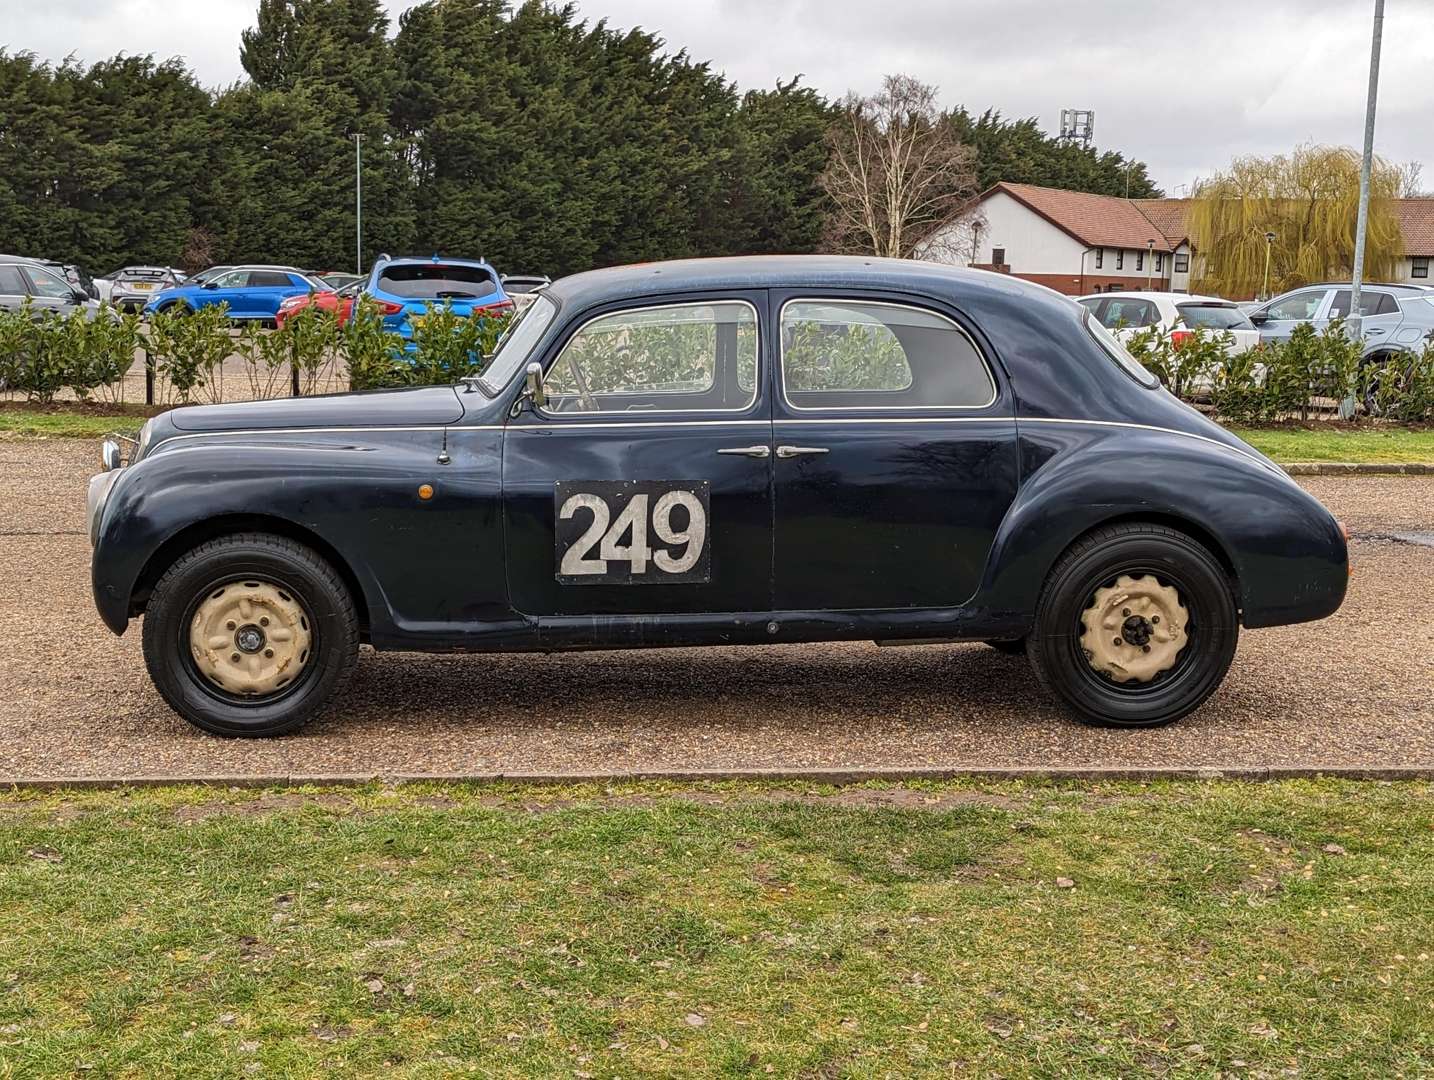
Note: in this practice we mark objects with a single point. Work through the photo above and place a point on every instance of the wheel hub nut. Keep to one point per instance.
(249, 639)
(1132, 628)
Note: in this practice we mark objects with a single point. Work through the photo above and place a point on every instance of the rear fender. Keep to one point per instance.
(1284, 551)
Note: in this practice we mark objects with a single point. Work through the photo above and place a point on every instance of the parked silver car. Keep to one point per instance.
(42, 286)
(1396, 317)
(132, 287)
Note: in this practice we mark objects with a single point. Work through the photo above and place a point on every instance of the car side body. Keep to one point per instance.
(1396, 317)
(444, 509)
(1126, 314)
(251, 292)
(41, 286)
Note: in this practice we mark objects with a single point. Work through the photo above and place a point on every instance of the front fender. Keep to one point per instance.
(1287, 553)
(428, 563)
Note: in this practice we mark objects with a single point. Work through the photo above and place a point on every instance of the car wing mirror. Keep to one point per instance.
(1259, 318)
(533, 391)
(210, 285)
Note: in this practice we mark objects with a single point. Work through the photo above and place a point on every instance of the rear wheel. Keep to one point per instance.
(1136, 626)
(250, 635)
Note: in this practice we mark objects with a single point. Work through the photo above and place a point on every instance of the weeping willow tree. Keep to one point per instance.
(1309, 201)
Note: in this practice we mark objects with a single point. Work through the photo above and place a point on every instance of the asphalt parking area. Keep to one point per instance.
(1356, 690)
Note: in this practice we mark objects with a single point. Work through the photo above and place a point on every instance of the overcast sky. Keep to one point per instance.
(1184, 85)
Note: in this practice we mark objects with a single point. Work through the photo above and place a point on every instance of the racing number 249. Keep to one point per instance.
(676, 517)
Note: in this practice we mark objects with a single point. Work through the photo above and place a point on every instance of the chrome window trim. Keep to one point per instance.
(756, 382)
(782, 367)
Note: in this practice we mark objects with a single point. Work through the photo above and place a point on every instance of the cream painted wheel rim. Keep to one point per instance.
(250, 638)
(1134, 629)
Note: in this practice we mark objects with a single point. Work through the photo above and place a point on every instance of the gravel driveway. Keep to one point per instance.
(1356, 690)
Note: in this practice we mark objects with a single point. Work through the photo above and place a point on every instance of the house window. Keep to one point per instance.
(1120, 259)
(1182, 263)
(1140, 260)
(1420, 268)
(1099, 258)
(998, 256)
(1160, 262)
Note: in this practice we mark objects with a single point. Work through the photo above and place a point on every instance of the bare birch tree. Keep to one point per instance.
(898, 175)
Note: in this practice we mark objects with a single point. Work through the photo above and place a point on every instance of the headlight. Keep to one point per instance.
(100, 487)
(146, 433)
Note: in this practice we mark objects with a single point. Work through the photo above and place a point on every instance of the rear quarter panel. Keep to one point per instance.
(1283, 547)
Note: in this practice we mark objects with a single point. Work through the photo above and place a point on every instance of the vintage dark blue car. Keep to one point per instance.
(730, 451)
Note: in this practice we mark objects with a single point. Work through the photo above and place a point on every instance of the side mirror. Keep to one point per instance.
(210, 285)
(1259, 318)
(533, 385)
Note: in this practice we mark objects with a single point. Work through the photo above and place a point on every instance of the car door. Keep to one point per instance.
(14, 289)
(896, 455)
(1277, 320)
(270, 288)
(49, 291)
(642, 484)
(228, 288)
(1381, 314)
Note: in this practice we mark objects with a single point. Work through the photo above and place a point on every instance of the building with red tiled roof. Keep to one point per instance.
(1078, 243)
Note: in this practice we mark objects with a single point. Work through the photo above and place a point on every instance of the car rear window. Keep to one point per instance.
(1214, 316)
(1112, 347)
(143, 275)
(436, 281)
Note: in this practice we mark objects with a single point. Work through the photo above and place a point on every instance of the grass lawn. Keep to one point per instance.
(1341, 444)
(65, 424)
(727, 930)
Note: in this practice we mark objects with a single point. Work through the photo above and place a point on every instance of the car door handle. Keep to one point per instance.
(799, 451)
(1374, 330)
(759, 451)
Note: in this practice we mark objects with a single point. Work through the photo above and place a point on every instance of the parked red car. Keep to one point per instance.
(340, 302)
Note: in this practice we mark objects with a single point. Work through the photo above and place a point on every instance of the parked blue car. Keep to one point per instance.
(405, 287)
(252, 292)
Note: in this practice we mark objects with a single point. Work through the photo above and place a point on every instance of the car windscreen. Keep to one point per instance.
(1214, 316)
(523, 285)
(1112, 347)
(436, 281)
(517, 343)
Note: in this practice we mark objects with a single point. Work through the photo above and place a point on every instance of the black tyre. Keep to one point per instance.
(1010, 648)
(250, 635)
(1136, 626)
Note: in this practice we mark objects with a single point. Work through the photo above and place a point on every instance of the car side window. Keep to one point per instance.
(680, 357)
(270, 279)
(1121, 312)
(44, 283)
(234, 279)
(843, 354)
(11, 281)
(1301, 306)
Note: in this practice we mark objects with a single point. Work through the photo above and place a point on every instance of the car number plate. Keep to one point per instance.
(632, 532)
(141, 286)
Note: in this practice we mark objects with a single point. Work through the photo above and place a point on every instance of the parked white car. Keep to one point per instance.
(1128, 313)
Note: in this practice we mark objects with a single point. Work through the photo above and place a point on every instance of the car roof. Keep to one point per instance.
(1154, 294)
(790, 271)
(434, 259)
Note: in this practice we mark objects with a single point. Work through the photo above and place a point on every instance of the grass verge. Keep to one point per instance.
(1392, 445)
(945, 929)
(89, 421)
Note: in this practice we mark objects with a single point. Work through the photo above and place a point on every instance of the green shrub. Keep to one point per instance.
(1403, 387)
(105, 352)
(188, 347)
(373, 357)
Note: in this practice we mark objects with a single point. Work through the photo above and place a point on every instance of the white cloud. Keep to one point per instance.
(1183, 86)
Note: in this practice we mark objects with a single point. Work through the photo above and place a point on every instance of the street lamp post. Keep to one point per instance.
(1362, 221)
(1356, 313)
(1265, 290)
(358, 203)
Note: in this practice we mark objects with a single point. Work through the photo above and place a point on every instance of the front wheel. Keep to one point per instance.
(1136, 626)
(250, 635)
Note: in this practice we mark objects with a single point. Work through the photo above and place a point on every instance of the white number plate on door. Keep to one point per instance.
(633, 532)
